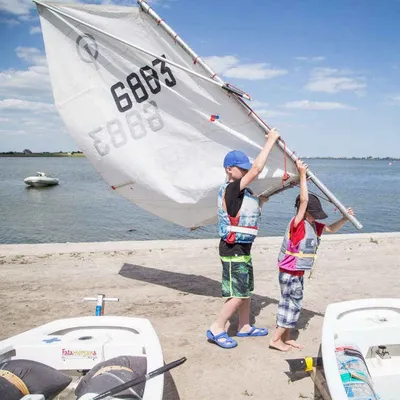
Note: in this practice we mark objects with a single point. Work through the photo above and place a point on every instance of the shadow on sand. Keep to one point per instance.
(170, 389)
(202, 286)
(296, 374)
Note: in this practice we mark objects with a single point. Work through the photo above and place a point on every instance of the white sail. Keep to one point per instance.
(144, 124)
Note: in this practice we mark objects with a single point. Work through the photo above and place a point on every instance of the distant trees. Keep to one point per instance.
(27, 151)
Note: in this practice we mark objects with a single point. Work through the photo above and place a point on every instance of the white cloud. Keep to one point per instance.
(331, 80)
(9, 21)
(31, 55)
(35, 29)
(230, 67)
(393, 100)
(312, 59)
(258, 104)
(316, 105)
(18, 7)
(23, 8)
(18, 104)
(158, 3)
(28, 18)
(26, 103)
(254, 72)
(270, 113)
(221, 64)
(32, 83)
(31, 119)
(262, 109)
(13, 132)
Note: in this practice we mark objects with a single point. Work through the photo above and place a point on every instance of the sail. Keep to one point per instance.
(156, 133)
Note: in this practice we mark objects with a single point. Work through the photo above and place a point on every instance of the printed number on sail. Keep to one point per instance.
(137, 122)
(135, 83)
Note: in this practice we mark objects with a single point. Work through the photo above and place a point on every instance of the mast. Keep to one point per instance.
(265, 128)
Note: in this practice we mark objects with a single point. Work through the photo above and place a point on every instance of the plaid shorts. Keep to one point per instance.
(291, 299)
(237, 277)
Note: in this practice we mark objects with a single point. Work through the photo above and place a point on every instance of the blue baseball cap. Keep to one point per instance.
(237, 158)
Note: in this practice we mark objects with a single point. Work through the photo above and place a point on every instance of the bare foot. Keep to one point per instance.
(279, 345)
(294, 344)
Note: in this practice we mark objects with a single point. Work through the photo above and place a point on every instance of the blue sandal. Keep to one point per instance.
(252, 332)
(228, 343)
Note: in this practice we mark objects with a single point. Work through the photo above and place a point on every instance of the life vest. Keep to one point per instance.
(302, 256)
(243, 227)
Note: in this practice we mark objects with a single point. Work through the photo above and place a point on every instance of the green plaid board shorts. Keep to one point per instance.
(237, 277)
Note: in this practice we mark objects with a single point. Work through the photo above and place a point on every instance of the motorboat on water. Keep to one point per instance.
(41, 180)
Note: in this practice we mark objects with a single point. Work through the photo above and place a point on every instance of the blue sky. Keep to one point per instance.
(326, 74)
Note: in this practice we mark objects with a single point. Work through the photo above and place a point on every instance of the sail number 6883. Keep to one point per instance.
(140, 93)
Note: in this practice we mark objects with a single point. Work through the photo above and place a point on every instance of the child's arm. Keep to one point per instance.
(333, 228)
(260, 161)
(303, 192)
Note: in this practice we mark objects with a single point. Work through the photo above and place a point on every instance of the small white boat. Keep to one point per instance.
(361, 349)
(74, 346)
(41, 180)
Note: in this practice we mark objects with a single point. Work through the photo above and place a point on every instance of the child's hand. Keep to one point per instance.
(262, 200)
(350, 211)
(302, 168)
(273, 134)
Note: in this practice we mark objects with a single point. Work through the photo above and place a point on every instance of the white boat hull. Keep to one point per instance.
(367, 324)
(75, 344)
(40, 181)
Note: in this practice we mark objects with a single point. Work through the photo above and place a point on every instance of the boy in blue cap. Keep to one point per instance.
(238, 217)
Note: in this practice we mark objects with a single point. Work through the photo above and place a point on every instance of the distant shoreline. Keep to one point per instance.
(353, 158)
(44, 154)
(80, 154)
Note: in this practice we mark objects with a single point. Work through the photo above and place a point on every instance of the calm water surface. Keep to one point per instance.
(82, 208)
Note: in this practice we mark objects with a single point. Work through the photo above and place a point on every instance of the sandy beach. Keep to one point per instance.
(176, 285)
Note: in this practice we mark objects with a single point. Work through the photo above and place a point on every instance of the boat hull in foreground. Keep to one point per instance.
(74, 345)
(370, 327)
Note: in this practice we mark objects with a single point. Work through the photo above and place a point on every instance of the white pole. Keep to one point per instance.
(138, 48)
(145, 7)
(100, 302)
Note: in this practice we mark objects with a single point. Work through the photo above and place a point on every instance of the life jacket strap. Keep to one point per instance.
(301, 254)
(242, 229)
